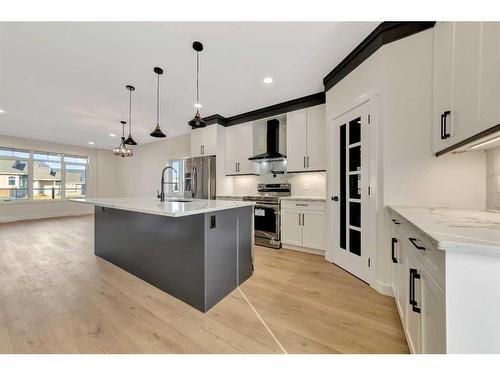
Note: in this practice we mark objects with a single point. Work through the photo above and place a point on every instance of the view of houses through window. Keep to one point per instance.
(29, 174)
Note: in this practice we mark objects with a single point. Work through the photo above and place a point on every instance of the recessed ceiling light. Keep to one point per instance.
(197, 105)
(91, 143)
(112, 135)
(268, 80)
(1, 110)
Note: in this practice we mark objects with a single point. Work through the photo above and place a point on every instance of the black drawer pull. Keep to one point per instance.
(413, 275)
(395, 221)
(394, 242)
(414, 242)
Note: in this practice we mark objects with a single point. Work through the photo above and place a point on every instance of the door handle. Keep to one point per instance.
(395, 221)
(394, 242)
(414, 242)
(335, 198)
(413, 275)
(304, 161)
(299, 221)
(303, 221)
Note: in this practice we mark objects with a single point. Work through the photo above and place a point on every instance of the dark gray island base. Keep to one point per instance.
(197, 258)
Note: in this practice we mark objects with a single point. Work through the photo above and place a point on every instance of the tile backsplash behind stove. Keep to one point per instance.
(311, 184)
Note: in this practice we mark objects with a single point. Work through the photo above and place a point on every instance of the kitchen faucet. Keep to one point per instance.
(161, 194)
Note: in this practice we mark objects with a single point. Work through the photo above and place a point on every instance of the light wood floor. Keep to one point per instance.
(57, 297)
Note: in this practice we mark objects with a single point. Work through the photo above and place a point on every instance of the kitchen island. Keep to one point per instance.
(196, 250)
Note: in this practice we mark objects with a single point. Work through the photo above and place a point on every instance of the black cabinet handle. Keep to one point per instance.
(414, 242)
(335, 198)
(395, 221)
(442, 127)
(413, 275)
(445, 116)
(394, 242)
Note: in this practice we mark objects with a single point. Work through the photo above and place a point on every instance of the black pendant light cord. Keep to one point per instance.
(197, 78)
(130, 114)
(158, 100)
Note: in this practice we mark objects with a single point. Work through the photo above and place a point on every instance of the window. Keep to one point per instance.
(174, 185)
(13, 174)
(76, 175)
(39, 175)
(47, 176)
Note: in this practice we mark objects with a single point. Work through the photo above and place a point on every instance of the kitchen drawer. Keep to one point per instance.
(303, 205)
(431, 258)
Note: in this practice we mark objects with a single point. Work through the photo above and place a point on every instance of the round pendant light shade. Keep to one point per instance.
(130, 141)
(122, 149)
(157, 133)
(197, 121)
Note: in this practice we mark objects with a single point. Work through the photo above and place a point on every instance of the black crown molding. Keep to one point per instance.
(273, 110)
(385, 33)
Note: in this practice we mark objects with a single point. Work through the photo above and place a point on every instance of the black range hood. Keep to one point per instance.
(273, 144)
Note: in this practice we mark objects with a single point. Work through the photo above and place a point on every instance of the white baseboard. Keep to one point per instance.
(383, 288)
(303, 249)
(9, 219)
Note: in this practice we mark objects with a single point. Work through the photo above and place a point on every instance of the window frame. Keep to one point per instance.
(31, 162)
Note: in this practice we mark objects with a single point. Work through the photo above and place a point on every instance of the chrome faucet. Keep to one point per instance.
(161, 194)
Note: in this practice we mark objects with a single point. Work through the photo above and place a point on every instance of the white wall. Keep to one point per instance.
(98, 165)
(139, 176)
(401, 74)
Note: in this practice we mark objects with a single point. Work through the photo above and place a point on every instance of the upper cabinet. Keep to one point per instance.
(239, 147)
(466, 81)
(305, 141)
(204, 141)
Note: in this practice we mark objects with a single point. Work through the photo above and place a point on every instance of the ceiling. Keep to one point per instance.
(65, 82)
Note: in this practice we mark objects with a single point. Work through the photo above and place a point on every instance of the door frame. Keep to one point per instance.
(372, 98)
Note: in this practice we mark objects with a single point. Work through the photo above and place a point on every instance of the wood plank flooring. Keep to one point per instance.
(57, 297)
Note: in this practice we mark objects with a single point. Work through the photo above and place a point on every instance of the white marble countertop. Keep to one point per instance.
(450, 229)
(168, 208)
(303, 198)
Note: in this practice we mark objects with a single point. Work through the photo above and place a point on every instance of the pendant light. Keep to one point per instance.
(122, 150)
(197, 121)
(157, 133)
(130, 141)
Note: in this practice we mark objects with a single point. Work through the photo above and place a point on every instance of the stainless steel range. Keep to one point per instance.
(267, 213)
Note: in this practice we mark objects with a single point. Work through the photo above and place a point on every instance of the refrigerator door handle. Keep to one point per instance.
(194, 182)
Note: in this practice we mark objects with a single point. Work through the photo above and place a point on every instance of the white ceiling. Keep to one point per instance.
(65, 82)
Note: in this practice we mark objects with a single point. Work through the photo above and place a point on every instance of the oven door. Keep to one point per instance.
(267, 222)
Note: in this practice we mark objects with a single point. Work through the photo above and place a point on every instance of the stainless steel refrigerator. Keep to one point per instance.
(199, 177)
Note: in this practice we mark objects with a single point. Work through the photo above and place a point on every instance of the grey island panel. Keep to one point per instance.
(198, 259)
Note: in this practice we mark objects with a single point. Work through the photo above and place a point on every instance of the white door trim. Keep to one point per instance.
(375, 173)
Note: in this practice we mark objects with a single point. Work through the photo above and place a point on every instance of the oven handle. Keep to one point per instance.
(276, 208)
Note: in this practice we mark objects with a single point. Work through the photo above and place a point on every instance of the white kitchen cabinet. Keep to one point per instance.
(239, 147)
(413, 321)
(313, 229)
(204, 141)
(466, 81)
(433, 318)
(303, 225)
(291, 229)
(305, 142)
(489, 78)
(442, 82)
(296, 148)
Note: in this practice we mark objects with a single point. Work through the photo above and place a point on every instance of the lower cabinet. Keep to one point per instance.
(419, 298)
(303, 225)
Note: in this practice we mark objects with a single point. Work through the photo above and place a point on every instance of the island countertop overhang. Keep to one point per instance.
(169, 208)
